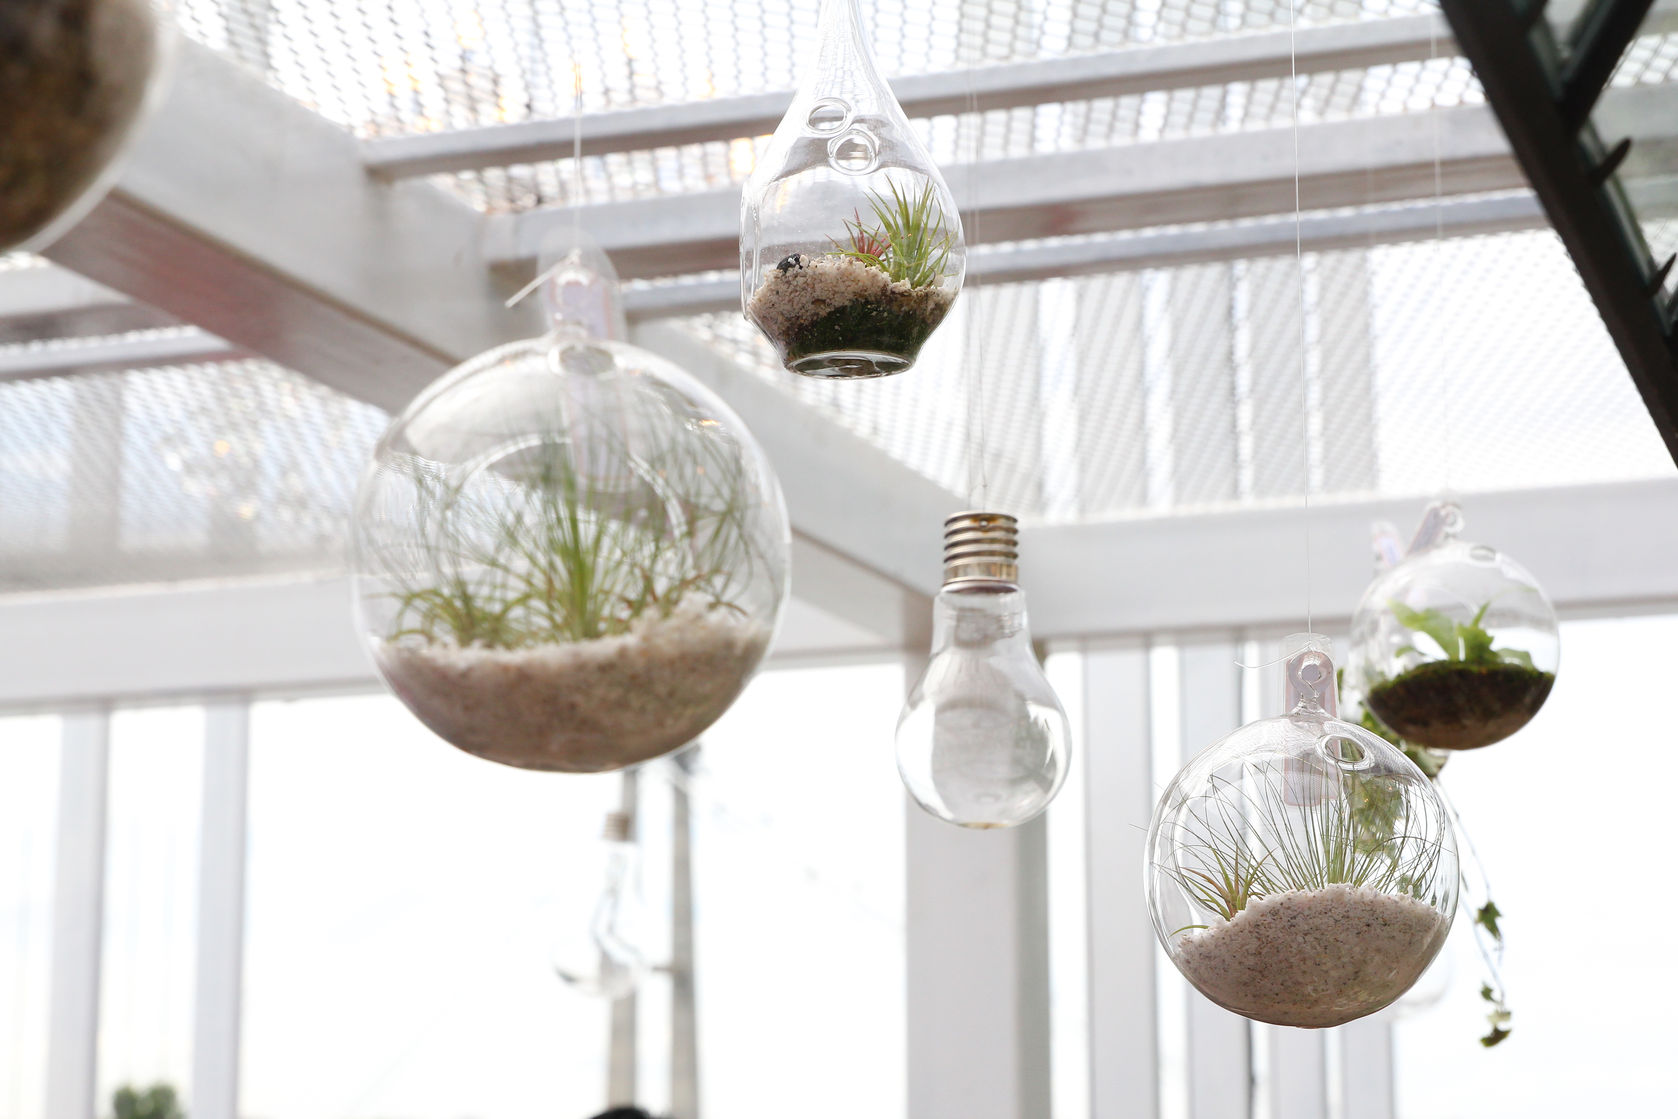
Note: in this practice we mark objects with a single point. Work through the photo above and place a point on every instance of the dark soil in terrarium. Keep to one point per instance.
(1449, 705)
(893, 326)
(73, 75)
(835, 305)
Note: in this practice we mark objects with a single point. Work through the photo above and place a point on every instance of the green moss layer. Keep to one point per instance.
(1449, 705)
(893, 326)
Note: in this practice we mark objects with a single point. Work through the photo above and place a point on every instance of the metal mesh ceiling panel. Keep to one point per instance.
(389, 67)
(175, 473)
(1001, 134)
(1476, 364)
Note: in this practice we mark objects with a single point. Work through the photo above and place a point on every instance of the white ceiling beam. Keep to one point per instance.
(45, 301)
(261, 637)
(38, 290)
(181, 346)
(1006, 264)
(1144, 69)
(1594, 549)
(247, 214)
(1135, 186)
(1597, 549)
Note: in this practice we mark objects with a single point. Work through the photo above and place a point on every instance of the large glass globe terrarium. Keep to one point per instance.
(851, 250)
(76, 77)
(569, 554)
(1301, 871)
(1456, 646)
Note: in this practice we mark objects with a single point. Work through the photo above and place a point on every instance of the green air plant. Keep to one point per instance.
(1460, 642)
(1244, 840)
(558, 545)
(910, 243)
(157, 1102)
(1470, 694)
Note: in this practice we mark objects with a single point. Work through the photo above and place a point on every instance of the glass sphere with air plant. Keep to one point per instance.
(76, 79)
(1301, 871)
(851, 249)
(569, 554)
(1455, 646)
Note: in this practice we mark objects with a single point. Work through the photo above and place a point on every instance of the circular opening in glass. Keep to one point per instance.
(1344, 752)
(855, 152)
(828, 116)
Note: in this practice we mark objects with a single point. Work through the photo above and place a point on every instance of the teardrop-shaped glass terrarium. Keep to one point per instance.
(76, 79)
(1456, 646)
(569, 554)
(1302, 871)
(851, 251)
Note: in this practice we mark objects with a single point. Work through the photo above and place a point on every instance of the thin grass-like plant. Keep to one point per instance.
(911, 243)
(572, 540)
(1291, 827)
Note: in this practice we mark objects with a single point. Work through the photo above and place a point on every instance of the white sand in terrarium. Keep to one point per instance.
(584, 706)
(1314, 957)
(791, 298)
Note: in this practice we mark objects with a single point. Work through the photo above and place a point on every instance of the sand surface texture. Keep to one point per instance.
(1314, 957)
(586, 706)
(792, 298)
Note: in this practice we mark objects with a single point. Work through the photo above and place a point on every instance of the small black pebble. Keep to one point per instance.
(789, 263)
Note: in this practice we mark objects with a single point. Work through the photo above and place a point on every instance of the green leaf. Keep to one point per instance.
(1497, 1034)
(1516, 656)
(1487, 993)
(1486, 917)
(1430, 622)
(1476, 643)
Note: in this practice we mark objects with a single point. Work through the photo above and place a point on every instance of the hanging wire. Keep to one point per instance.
(978, 472)
(576, 202)
(1299, 260)
(1438, 252)
(576, 153)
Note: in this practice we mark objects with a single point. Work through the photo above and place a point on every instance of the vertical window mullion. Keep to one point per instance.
(78, 915)
(221, 910)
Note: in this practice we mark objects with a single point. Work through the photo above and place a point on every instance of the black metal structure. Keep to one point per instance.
(1543, 90)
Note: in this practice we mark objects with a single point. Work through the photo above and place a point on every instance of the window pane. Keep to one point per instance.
(151, 900)
(1573, 835)
(401, 904)
(28, 819)
(798, 863)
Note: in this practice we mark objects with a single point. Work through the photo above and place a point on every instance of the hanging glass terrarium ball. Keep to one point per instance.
(850, 243)
(1302, 871)
(75, 79)
(569, 554)
(1456, 646)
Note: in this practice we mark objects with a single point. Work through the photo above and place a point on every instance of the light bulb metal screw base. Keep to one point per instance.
(619, 828)
(981, 550)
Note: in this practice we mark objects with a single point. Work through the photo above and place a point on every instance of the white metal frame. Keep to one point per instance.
(1111, 74)
(78, 917)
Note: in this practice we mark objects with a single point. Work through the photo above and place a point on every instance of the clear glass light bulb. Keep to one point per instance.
(603, 957)
(983, 741)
